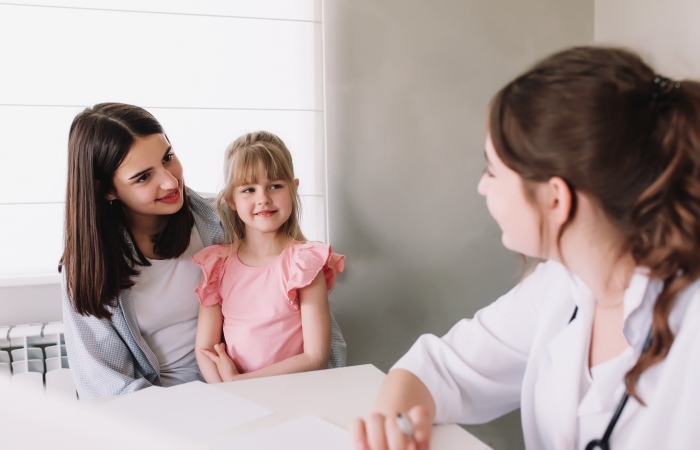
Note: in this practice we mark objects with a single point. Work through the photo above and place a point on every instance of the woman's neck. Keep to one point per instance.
(143, 228)
(592, 247)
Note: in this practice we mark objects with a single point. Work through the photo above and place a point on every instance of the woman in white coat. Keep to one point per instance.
(594, 166)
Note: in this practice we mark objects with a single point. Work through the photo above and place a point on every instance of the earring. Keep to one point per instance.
(110, 202)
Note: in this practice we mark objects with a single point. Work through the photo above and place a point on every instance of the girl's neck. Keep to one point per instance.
(259, 249)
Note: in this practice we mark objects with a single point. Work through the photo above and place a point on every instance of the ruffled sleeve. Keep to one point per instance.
(211, 260)
(308, 259)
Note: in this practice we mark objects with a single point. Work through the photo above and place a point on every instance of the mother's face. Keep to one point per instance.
(148, 182)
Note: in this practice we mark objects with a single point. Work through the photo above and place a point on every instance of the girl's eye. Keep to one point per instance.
(248, 190)
(168, 157)
(276, 186)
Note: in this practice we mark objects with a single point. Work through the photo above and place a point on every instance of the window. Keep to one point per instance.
(208, 70)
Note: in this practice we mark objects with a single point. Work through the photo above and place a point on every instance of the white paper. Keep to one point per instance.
(307, 433)
(192, 410)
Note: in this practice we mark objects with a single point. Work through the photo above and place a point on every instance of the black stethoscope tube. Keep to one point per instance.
(604, 442)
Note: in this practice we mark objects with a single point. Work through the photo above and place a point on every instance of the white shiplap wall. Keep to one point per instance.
(207, 70)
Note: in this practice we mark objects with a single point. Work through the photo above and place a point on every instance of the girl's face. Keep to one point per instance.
(264, 205)
(505, 198)
(149, 180)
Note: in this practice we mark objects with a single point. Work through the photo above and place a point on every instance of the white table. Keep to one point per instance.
(336, 395)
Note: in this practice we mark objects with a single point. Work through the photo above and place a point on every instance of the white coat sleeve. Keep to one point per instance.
(475, 371)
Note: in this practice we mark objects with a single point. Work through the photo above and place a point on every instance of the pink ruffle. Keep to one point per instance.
(211, 260)
(307, 261)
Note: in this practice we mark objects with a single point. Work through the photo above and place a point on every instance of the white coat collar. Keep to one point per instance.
(568, 350)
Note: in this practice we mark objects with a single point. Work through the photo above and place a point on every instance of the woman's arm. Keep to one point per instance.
(101, 363)
(316, 328)
(209, 326)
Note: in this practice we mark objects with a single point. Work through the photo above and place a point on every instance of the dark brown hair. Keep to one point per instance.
(99, 256)
(601, 119)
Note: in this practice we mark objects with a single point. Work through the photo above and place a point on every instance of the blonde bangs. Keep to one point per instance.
(249, 159)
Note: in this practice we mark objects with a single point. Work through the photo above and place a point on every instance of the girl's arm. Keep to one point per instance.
(209, 326)
(316, 328)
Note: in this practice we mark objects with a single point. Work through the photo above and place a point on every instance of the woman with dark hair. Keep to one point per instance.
(594, 167)
(131, 227)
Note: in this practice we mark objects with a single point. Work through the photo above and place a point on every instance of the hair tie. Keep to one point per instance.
(661, 93)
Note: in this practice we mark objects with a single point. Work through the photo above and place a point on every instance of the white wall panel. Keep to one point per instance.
(78, 57)
(308, 10)
(208, 70)
(33, 146)
(313, 214)
(199, 138)
(31, 239)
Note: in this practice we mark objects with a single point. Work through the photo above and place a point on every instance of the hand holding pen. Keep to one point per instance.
(409, 431)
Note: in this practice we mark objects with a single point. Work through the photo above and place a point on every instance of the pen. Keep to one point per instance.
(405, 426)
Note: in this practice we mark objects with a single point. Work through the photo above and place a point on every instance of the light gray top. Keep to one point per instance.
(168, 285)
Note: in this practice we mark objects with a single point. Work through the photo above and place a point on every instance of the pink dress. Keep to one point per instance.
(260, 305)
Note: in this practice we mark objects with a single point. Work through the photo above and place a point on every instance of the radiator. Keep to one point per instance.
(33, 356)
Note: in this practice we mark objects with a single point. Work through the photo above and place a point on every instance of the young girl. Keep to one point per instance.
(266, 285)
(593, 164)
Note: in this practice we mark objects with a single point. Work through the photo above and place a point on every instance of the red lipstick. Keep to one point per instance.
(172, 197)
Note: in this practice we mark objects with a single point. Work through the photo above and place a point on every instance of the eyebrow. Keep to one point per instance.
(136, 175)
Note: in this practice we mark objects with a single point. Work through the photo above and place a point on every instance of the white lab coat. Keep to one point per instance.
(521, 351)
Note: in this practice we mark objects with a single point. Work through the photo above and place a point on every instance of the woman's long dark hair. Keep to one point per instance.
(606, 123)
(99, 256)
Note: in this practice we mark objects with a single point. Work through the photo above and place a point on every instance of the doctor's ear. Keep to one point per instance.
(296, 181)
(560, 199)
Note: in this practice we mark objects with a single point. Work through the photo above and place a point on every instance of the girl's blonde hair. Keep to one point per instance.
(260, 149)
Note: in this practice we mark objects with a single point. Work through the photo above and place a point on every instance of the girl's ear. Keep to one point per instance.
(231, 204)
(559, 201)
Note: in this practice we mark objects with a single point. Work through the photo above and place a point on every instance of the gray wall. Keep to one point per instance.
(407, 85)
(666, 34)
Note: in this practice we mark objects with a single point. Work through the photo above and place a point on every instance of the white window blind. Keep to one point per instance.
(208, 70)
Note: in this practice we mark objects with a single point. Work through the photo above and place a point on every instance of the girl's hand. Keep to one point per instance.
(227, 369)
(380, 432)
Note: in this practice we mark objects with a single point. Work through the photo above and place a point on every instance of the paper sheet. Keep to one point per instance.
(307, 433)
(192, 410)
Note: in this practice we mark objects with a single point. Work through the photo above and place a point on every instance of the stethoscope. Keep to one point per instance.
(604, 442)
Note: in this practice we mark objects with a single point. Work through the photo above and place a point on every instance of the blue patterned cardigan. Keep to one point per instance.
(110, 357)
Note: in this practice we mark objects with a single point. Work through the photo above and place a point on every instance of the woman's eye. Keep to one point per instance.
(488, 173)
(143, 177)
(168, 157)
